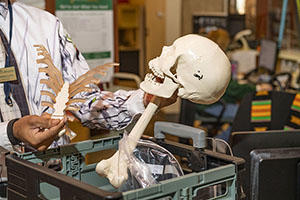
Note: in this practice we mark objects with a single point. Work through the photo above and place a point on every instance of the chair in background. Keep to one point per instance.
(275, 168)
(214, 116)
(243, 143)
(132, 82)
(244, 138)
(209, 117)
(280, 108)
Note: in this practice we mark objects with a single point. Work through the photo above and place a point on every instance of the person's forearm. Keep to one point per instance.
(113, 111)
(102, 109)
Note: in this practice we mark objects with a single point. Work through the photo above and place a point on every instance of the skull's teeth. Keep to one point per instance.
(160, 75)
(151, 78)
(156, 72)
(151, 67)
(155, 83)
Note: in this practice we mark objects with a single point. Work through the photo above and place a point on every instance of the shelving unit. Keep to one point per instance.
(131, 30)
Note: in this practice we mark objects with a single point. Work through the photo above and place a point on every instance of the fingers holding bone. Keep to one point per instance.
(64, 92)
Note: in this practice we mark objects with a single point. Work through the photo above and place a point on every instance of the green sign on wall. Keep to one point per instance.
(84, 5)
(90, 23)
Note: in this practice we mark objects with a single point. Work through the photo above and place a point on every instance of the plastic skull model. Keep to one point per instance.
(195, 65)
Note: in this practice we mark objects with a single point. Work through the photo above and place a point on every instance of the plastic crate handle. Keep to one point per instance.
(184, 131)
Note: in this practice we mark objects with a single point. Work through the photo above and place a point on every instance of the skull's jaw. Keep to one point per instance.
(165, 89)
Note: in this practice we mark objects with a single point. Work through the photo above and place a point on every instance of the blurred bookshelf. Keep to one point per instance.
(131, 31)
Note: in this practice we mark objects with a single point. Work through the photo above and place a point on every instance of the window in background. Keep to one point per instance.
(240, 6)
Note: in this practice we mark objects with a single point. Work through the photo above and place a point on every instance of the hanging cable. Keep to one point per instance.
(219, 140)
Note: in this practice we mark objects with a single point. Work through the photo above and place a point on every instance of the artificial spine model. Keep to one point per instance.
(63, 97)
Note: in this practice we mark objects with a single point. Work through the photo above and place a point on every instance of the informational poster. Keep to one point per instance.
(91, 26)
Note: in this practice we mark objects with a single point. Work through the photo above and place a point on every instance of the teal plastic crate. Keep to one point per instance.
(29, 178)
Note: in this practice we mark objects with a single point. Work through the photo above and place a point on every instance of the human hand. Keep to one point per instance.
(38, 131)
(163, 102)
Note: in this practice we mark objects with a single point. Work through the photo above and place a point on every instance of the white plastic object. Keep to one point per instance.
(63, 93)
(194, 65)
(117, 173)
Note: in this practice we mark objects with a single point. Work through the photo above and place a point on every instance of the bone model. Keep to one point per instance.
(194, 65)
(115, 168)
(64, 92)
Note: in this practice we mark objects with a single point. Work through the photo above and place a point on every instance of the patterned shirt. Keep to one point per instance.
(32, 26)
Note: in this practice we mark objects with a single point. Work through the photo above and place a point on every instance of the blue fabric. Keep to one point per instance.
(230, 110)
(225, 134)
(229, 113)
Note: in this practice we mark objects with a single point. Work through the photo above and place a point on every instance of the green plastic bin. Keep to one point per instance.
(29, 178)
